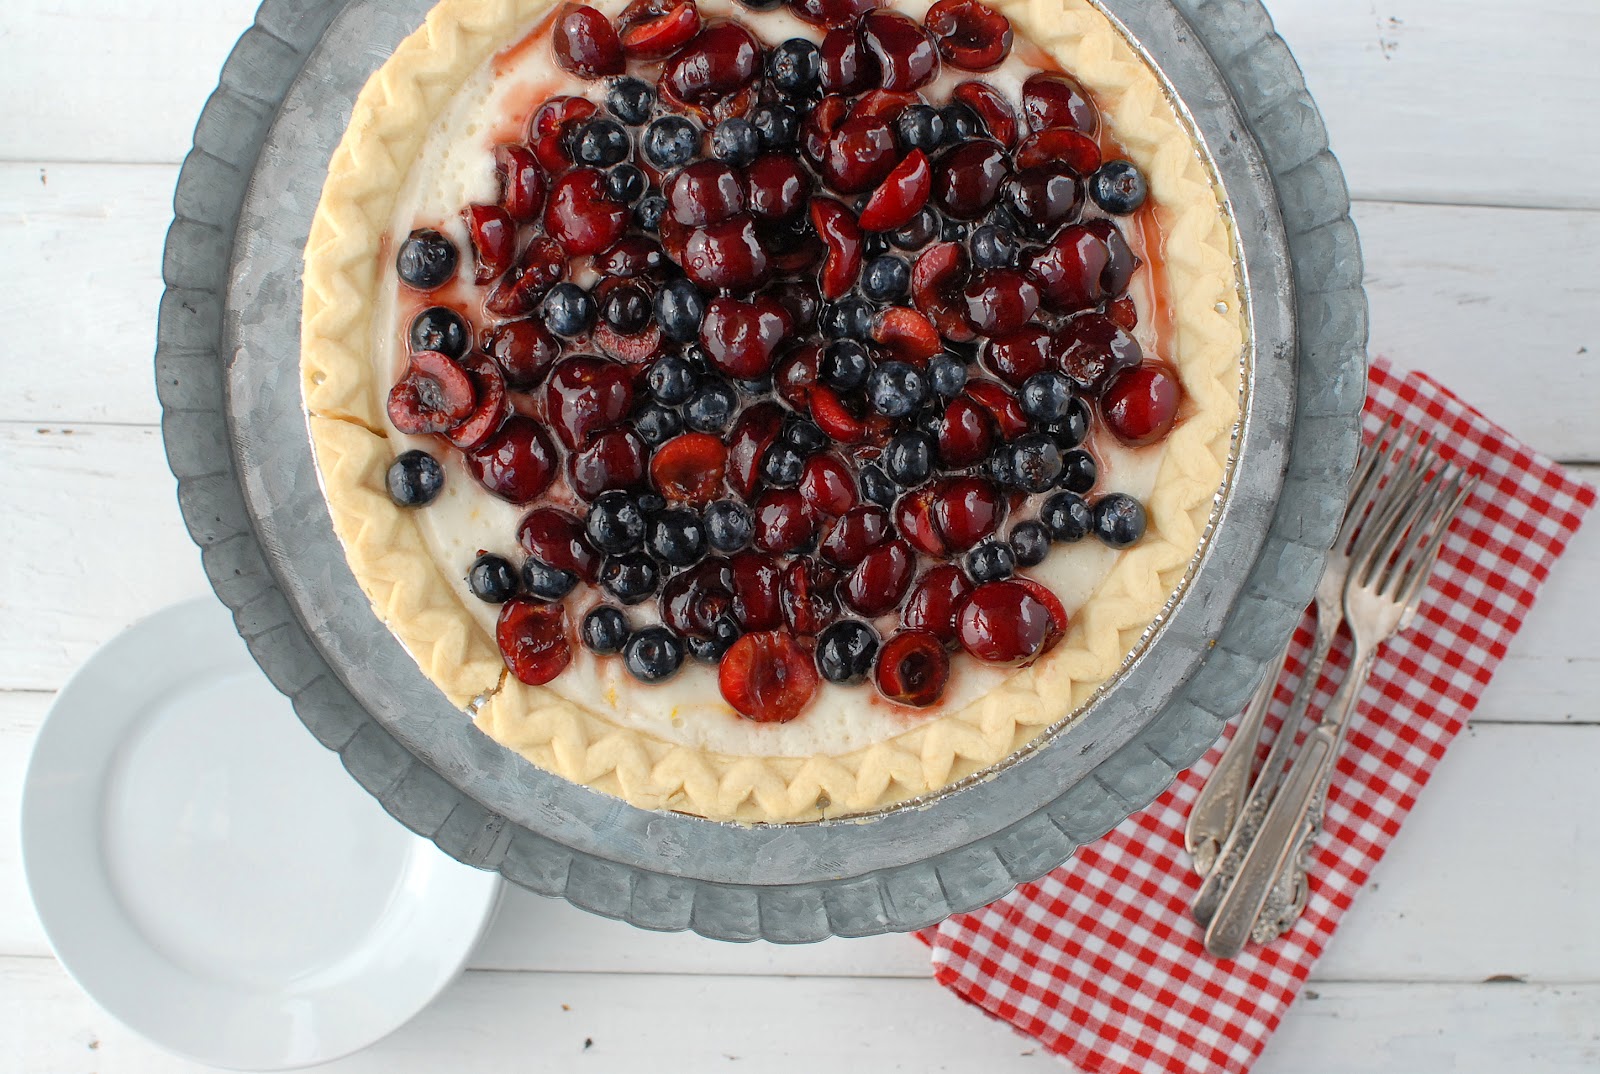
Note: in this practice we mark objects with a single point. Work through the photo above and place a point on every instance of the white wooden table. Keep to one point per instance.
(1467, 129)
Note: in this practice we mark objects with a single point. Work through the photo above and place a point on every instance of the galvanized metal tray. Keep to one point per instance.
(227, 371)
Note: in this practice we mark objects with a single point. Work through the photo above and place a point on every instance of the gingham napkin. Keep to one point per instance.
(1100, 960)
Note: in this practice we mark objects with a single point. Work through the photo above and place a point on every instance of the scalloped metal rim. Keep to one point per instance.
(192, 376)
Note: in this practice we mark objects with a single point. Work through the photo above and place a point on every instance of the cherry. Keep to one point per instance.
(1004, 623)
(877, 584)
(1060, 147)
(968, 179)
(694, 600)
(796, 374)
(936, 282)
(784, 523)
(757, 579)
(828, 485)
(887, 104)
(525, 350)
(585, 395)
(755, 431)
(859, 155)
(517, 463)
(489, 386)
(615, 459)
(1044, 198)
(522, 184)
(548, 133)
(767, 677)
(655, 29)
(906, 54)
(822, 123)
(913, 517)
(726, 255)
(720, 61)
(634, 348)
(1015, 356)
(585, 43)
(1000, 300)
(857, 532)
(1093, 347)
(580, 216)
(971, 35)
(991, 107)
(1003, 407)
(1140, 404)
(494, 239)
(539, 268)
(829, 12)
(689, 468)
(707, 192)
(555, 537)
(965, 434)
(842, 235)
(913, 668)
(631, 257)
(1052, 604)
(935, 600)
(741, 337)
(1069, 271)
(435, 395)
(1124, 312)
(776, 186)
(1051, 99)
(1121, 261)
(847, 67)
(907, 335)
(532, 636)
(901, 196)
(828, 410)
(966, 510)
(807, 596)
(802, 301)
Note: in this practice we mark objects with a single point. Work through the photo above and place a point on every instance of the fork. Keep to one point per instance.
(1393, 559)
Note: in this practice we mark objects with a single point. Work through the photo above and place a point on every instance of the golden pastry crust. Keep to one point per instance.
(421, 606)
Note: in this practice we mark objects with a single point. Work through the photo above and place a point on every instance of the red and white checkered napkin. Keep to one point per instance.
(1101, 961)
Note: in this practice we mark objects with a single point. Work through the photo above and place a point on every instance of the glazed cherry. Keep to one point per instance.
(776, 186)
(828, 12)
(555, 537)
(936, 283)
(533, 639)
(655, 29)
(1093, 348)
(525, 351)
(1070, 271)
(877, 584)
(906, 54)
(630, 257)
(722, 59)
(913, 668)
(548, 134)
(1052, 99)
(694, 600)
(753, 435)
(767, 677)
(523, 290)
(844, 66)
(1121, 262)
(807, 596)
(585, 43)
(796, 374)
(726, 255)
(1002, 406)
(901, 196)
(1005, 623)
(968, 179)
(1058, 148)
(1000, 301)
(580, 216)
(913, 518)
(517, 463)
(494, 239)
(907, 335)
(1140, 404)
(784, 523)
(1015, 356)
(1044, 198)
(857, 532)
(704, 193)
(757, 580)
(489, 388)
(964, 435)
(435, 395)
(966, 510)
(935, 601)
(841, 234)
(522, 181)
(971, 34)
(741, 337)
(585, 395)
(828, 485)
(859, 155)
(991, 107)
(689, 468)
(614, 459)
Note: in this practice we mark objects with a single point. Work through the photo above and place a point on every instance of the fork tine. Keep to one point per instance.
(1377, 461)
(1399, 495)
(1439, 522)
(1412, 533)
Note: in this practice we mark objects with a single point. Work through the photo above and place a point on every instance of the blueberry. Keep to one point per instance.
(671, 380)
(698, 360)
(440, 329)
(1073, 427)
(601, 143)
(626, 308)
(995, 246)
(896, 389)
(649, 211)
(948, 375)
(653, 654)
(427, 260)
(615, 523)
(1078, 472)
(848, 318)
(1067, 517)
(626, 184)
(1035, 462)
(710, 409)
(795, 67)
(630, 576)
(760, 386)
(605, 630)
(961, 123)
(680, 307)
(875, 244)
(886, 278)
(920, 127)
(414, 479)
(999, 467)
(729, 525)
(1046, 397)
(845, 651)
(990, 562)
(677, 537)
(492, 579)
(650, 504)
(954, 230)
(1119, 520)
(806, 436)
(630, 100)
(781, 465)
(909, 459)
(656, 424)
(845, 365)
(777, 125)
(569, 310)
(546, 583)
(876, 486)
(671, 141)
(710, 650)
(1030, 543)
(1118, 187)
(921, 230)
(735, 141)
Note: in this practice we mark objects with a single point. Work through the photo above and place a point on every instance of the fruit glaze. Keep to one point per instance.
(811, 356)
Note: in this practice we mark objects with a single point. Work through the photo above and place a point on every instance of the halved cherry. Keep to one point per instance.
(857, 532)
(901, 196)
(435, 395)
(965, 434)
(753, 433)
(489, 385)
(968, 178)
(1044, 198)
(834, 418)
(1052, 604)
(796, 375)
(585, 43)
(655, 29)
(722, 59)
(913, 668)
(533, 639)
(1124, 312)
(494, 239)
(548, 131)
(936, 599)
(907, 55)
(998, 117)
(1002, 406)
(517, 462)
(614, 459)
(1058, 146)
(693, 600)
(741, 337)
(768, 677)
(1140, 404)
(913, 517)
(907, 335)
(525, 351)
(936, 282)
(885, 104)
(784, 521)
(776, 185)
(634, 348)
(828, 485)
(1070, 270)
(630, 257)
(846, 67)
(808, 596)
(689, 468)
(1000, 300)
(579, 214)
(877, 584)
(971, 34)
(757, 579)
(860, 154)
(828, 12)
(726, 255)
(1121, 262)
(522, 182)
(1004, 623)
(822, 123)
(1093, 348)
(586, 395)
(557, 537)
(1015, 356)
(842, 235)
(705, 192)
(1052, 99)
(966, 510)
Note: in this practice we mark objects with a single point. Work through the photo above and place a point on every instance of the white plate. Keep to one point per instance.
(211, 875)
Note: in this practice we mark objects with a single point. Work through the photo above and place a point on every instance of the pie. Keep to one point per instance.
(776, 411)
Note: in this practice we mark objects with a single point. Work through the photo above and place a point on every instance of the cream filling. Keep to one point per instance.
(455, 168)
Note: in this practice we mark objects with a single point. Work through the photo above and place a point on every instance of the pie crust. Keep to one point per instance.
(344, 399)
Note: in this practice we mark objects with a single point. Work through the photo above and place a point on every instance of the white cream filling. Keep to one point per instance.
(455, 168)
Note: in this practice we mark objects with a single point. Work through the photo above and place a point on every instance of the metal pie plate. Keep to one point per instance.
(228, 373)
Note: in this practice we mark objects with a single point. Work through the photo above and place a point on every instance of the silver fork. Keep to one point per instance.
(1393, 559)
